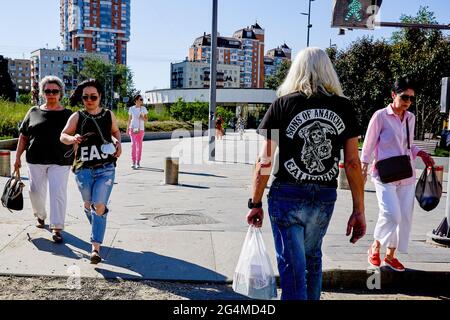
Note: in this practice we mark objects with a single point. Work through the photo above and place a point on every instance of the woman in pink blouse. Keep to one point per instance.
(386, 137)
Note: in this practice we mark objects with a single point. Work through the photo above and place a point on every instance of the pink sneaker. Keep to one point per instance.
(394, 264)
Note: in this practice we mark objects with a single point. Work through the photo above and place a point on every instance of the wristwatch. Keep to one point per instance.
(252, 205)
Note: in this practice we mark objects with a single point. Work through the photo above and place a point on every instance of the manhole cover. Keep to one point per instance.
(181, 219)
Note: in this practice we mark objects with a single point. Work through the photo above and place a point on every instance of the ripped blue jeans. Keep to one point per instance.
(95, 185)
(300, 214)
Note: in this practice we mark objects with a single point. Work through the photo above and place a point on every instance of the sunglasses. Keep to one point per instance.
(54, 91)
(407, 98)
(92, 98)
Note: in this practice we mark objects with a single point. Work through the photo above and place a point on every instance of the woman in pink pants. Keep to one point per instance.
(136, 129)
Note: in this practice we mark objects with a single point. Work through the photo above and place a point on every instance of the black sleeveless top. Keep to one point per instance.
(89, 153)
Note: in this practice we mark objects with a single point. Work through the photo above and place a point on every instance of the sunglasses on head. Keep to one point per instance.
(92, 98)
(407, 98)
(51, 91)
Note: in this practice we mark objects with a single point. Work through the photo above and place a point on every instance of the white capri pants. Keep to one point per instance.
(396, 204)
(57, 178)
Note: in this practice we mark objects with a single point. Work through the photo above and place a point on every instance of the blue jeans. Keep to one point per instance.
(300, 214)
(95, 185)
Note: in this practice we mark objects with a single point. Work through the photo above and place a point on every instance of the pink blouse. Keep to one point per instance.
(386, 137)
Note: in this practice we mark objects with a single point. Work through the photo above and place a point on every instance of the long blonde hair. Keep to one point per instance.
(311, 72)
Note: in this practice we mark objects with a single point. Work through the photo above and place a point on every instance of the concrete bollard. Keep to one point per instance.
(342, 178)
(5, 163)
(171, 170)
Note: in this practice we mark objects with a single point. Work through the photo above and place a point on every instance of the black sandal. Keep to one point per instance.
(95, 257)
(57, 237)
(40, 224)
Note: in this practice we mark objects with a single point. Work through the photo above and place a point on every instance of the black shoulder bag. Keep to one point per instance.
(395, 168)
(12, 197)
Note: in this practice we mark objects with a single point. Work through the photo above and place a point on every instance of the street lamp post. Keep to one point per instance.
(212, 84)
(309, 21)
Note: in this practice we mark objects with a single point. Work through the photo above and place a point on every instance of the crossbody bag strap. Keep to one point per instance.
(407, 133)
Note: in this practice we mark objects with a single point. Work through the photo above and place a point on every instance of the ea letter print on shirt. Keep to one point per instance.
(315, 128)
(91, 153)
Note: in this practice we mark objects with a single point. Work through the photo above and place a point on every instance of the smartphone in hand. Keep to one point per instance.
(87, 135)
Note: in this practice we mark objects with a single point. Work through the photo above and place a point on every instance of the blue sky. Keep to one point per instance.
(163, 30)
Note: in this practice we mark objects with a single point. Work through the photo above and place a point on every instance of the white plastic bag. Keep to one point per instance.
(254, 275)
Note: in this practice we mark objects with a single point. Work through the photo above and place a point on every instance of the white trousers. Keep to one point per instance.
(56, 177)
(396, 204)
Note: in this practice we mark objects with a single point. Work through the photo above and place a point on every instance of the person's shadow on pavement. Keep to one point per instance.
(145, 266)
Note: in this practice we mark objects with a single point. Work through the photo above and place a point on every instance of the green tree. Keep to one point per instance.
(178, 110)
(274, 81)
(190, 112)
(108, 73)
(365, 76)
(424, 56)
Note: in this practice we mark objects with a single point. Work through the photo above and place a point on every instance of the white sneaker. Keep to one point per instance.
(133, 166)
(138, 166)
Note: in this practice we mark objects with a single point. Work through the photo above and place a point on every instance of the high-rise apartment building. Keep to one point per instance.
(195, 74)
(252, 68)
(101, 26)
(229, 50)
(20, 71)
(63, 64)
(274, 58)
(245, 49)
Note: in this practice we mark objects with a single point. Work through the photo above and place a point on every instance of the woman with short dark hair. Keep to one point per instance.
(387, 136)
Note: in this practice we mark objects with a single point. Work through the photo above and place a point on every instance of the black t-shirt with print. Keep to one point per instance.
(43, 129)
(89, 153)
(311, 133)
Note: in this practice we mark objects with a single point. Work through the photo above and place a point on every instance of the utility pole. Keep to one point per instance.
(212, 84)
(112, 86)
(309, 21)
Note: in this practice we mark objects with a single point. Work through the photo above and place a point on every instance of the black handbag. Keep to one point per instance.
(12, 197)
(395, 168)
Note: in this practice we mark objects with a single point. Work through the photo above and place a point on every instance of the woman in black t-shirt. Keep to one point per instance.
(96, 137)
(309, 124)
(47, 158)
